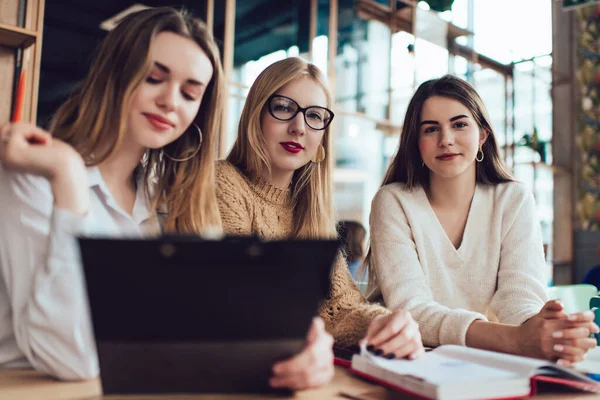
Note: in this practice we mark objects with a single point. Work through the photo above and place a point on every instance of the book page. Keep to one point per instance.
(438, 368)
(523, 366)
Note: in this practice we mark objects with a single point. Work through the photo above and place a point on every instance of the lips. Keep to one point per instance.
(292, 147)
(448, 156)
(159, 122)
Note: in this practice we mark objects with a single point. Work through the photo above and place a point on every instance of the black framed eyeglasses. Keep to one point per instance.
(283, 108)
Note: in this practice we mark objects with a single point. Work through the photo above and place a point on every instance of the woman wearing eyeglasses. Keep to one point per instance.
(275, 183)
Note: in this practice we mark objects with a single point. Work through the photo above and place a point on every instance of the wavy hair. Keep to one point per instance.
(94, 119)
(311, 184)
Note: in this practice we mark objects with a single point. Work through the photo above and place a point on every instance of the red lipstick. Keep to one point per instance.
(292, 147)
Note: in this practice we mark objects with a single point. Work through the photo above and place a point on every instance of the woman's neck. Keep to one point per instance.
(279, 178)
(451, 192)
(117, 171)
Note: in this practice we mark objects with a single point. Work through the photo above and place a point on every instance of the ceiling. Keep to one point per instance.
(72, 32)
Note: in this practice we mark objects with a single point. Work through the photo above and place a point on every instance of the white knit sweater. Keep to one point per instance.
(498, 267)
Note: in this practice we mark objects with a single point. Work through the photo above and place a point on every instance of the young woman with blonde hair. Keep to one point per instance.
(137, 137)
(454, 238)
(276, 183)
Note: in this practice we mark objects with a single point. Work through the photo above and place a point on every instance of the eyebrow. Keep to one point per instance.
(290, 99)
(166, 70)
(432, 122)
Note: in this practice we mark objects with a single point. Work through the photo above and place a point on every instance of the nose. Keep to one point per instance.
(168, 98)
(446, 137)
(297, 125)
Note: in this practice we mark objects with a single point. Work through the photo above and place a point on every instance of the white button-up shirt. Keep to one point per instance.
(44, 319)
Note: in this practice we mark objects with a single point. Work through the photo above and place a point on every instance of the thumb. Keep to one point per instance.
(553, 305)
(553, 309)
(316, 328)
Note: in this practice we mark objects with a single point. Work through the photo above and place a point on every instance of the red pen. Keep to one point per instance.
(20, 95)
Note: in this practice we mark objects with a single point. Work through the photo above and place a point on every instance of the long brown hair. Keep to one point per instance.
(94, 119)
(406, 166)
(311, 184)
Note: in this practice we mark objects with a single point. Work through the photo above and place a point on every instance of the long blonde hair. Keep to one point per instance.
(94, 119)
(312, 199)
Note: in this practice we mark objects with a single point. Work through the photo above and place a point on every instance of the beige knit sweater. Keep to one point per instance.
(265, 210)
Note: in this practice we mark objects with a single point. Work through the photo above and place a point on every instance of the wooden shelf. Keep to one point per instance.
(13, 36)
(456, 31)
(25, 36)
(403, 17)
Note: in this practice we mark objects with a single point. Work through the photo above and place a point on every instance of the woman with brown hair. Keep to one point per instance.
(276, 183)
(454, 238)
(131, 153)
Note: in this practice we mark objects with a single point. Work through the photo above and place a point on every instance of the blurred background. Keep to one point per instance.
(536, 63)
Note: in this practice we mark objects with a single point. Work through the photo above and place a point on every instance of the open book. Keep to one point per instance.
(456, 372)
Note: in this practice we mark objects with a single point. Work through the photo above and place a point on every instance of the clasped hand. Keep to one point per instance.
(555, 335)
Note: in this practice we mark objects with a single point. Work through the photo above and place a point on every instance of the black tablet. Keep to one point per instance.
(186, 315)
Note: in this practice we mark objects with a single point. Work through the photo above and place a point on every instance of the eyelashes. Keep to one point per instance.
(458, 125)
(154, 81)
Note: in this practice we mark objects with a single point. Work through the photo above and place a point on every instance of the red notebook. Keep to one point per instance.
(455, 372)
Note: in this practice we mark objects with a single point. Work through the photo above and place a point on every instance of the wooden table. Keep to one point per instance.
(30, 385)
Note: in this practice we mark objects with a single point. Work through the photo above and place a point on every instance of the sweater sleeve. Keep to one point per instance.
(235, 210)
(401, 279)
(521, 291)
(347, 314)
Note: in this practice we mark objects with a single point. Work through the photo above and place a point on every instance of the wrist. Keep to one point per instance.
(514, 342)
(494, 336)
(68, 165)
(70, 187)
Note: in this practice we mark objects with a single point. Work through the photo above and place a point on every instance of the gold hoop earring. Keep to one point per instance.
(320, 156)
(482, 155)
(422, 163)
(193, 154)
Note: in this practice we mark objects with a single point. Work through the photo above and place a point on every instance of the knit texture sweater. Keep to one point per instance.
(257, 207)
(498, 269)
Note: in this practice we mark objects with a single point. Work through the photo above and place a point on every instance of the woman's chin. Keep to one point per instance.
(288, 165)
(157, 143)
(448, 173)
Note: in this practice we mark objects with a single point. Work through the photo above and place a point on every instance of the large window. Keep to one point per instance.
(500, 47)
